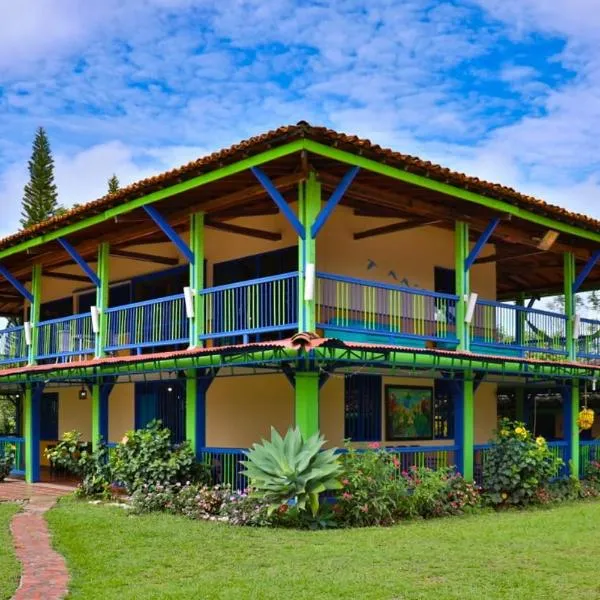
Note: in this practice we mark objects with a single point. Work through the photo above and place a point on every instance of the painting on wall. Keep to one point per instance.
(409, 412)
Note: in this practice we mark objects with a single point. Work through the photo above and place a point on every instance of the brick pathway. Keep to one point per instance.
(44, 574)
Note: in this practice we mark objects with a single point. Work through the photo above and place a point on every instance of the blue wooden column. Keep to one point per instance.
(197, 384)
(31, 413)
(100, 396)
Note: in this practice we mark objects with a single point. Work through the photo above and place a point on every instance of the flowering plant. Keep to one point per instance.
(7, 461)
(585, 420)
(517, 465)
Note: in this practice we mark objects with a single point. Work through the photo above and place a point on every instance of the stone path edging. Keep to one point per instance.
(44, 574)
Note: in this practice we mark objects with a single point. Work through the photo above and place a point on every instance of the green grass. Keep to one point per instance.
(9, 567)
(535, 554)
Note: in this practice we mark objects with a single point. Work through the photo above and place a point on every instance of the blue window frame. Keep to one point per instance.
(443, 410)
(362, 408)
(49, 416)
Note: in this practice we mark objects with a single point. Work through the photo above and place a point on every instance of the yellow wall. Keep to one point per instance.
(241, 410)
(411, 255)
(331, 410)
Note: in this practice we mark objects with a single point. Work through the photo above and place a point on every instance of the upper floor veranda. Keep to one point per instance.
(302, 229)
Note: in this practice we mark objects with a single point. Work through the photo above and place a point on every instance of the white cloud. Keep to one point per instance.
(140, 86)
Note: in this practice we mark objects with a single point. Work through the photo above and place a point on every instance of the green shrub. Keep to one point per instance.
(592, 472)
(67, 452)
(147, 457)
(439, 493)
(72, 455)
(517, 466)
(7, 461)
(291, 469)
(373, 492)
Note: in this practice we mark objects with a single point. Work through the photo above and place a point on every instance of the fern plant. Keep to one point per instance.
(290, 468)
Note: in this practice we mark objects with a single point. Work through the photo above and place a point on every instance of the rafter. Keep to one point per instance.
(394, 227)
(144, 257)
(66, 276)
(247, 231)
(505, 232)
(505, 257)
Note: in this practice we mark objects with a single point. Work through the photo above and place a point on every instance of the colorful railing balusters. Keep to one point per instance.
(518, 328)
(480, 454)
(386, 311)
(157, 322)
(67, 337)
(12, 345)
(16, 445)
(251, 307)
(589, 451)
(224, 465)
(588, 340)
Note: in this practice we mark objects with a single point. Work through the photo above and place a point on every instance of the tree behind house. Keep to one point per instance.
(113, 184)
(40, 198)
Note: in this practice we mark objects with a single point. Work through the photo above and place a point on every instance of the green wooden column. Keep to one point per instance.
(309, 205)
(191, 409)
(307, 402)
(197, 277)
(31, 420)
(103, 273)
(468, 428)
(571, 402)
(463, 287)
(34, 316)
(568, 280)
(100, 404)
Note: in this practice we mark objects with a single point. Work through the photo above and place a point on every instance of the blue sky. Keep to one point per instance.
(507, 90)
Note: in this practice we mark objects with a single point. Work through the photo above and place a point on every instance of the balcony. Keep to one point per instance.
(346, 308)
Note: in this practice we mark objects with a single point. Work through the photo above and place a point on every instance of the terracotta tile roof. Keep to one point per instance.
(289, 133)
(301, 341)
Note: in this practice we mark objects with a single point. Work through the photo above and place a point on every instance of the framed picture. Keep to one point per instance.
(408, 412)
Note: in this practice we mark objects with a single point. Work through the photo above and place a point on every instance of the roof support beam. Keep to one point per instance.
(144, 257)
(587, 269)
(333, 201)
(164, 226)
(80, 261)
(393, 227)
(279, 201)
(272, 236)
(16, 283)
(66, 276)
(481, 242)
(497, 258)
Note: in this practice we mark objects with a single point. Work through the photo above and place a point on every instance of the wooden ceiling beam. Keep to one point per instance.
(394, 227)
(65, 276)
(144, 257)
(505, 232)
(247, 231)
(249, 194)
(505, 257)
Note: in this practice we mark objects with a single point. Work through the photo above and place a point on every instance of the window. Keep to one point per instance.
(163, 400)
(158, 285)
(362, 408)
(49, 416)
(443, 410)
(118, 295)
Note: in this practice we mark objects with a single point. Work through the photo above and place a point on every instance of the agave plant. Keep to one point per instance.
(290, 468)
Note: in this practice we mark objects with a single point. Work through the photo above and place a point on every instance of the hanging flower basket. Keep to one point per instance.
(585, 420)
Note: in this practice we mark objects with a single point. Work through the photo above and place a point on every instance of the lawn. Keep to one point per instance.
(9, 567)
(534, 554)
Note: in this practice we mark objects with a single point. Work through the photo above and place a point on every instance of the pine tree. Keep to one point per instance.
(113, 184)
(39, 196)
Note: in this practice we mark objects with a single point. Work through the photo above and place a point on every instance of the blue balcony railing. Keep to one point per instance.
(588, 340)
(17, 445)
(517, 330)
(65, 338)
(346, 308)
(225, 467)
(363, 310)
(160, 322)
(251, 307)
(13, 349)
